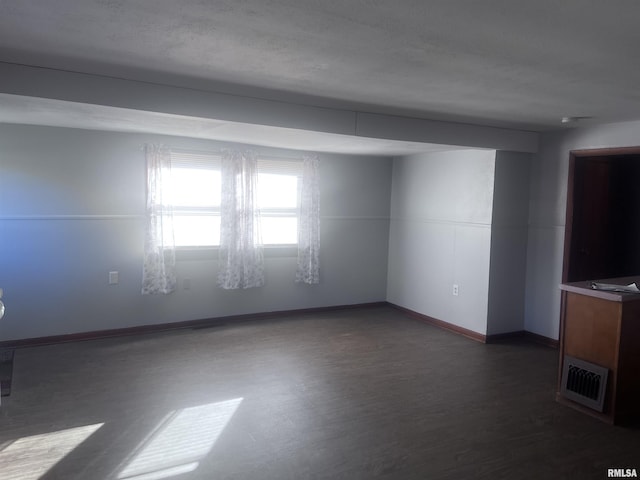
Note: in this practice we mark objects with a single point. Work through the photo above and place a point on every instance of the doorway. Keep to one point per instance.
(602, 233)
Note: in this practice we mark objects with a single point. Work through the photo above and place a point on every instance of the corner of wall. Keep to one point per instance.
(509, 236)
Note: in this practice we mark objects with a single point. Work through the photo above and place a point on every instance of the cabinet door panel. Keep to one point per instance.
(592, 329)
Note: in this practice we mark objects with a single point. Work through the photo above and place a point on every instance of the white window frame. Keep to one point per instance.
(212, 161)
(191, 160)
(279, 166)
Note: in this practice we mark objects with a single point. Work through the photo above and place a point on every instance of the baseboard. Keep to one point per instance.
(478, 337)
(501, 337)
(529, 336)
(541, 339)
(494, 338)
(163, 327)
(218, 321)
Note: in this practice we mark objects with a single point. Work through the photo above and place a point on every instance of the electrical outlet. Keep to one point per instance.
(113, 278)
(455, 289)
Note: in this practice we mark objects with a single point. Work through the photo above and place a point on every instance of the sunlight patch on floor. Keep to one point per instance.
(179, 442)
(28, 458)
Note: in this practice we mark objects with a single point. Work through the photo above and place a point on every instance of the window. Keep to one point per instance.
(196, 200)
(278, 184)
(196, 192)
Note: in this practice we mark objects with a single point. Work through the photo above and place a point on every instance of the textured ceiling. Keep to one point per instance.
(496, 62)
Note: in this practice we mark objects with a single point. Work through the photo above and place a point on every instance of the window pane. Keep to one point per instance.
(196, 187)
(196, 197)
(279, 230)
(277, 191)
(196, 230)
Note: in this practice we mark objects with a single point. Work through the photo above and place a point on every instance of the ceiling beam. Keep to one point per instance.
(84, 88)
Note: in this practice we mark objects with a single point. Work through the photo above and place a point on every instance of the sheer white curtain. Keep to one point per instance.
(308, 267)
(158, 271)
(241, 257)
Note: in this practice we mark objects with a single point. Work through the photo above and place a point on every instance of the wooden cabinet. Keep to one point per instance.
(603, 328)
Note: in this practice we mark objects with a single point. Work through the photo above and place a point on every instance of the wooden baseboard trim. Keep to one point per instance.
(163, 327)
(501, 337)
(530, 336)
(478, 337)
(541, 339)
(523, 334)
(219, 321)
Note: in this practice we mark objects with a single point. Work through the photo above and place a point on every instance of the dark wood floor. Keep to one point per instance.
(353, 394)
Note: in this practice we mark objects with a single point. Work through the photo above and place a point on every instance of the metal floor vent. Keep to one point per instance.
(584, 382)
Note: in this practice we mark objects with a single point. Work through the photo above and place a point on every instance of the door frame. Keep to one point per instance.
(568, 227)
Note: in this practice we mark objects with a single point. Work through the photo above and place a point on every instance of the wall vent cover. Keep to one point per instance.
(584, 382)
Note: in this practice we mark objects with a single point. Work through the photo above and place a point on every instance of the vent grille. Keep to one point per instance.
(584, 382)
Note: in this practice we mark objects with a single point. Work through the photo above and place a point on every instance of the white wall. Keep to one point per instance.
(547, 216)
(71, 210)
(509, 231)
(441, 209)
